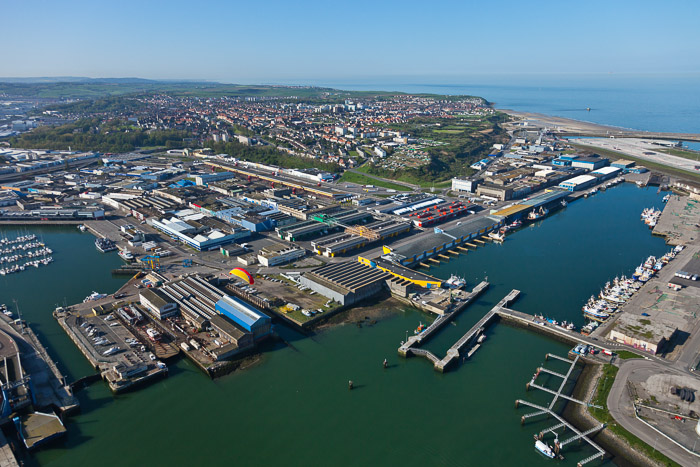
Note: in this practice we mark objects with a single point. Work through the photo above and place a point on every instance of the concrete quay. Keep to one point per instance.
(468, 339)
(679, 221)
(48, 384)
(7, 457)
(415, 341)
(129, 365)
(468, 342)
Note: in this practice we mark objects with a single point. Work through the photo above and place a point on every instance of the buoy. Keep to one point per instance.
(385, 363)
(350, 384)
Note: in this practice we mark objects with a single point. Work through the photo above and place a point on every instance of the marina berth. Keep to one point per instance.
(616, 293)
(23, 252)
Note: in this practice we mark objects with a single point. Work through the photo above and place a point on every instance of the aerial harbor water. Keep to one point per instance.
(294, 407)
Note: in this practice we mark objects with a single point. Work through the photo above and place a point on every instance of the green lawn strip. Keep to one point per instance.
(680, 153)
(626, 354)
(353, 177)
(603, 415)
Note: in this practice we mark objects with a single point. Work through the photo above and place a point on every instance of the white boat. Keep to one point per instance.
(110, 351)
(153, 334)
(455, 282)
(497, 236)
(126, 255)
(544, 449)
(94, 296)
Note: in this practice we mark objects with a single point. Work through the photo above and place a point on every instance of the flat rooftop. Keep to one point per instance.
(433, 240)
(346, 277)
(544, 198)
(405, 272)
(38, 427)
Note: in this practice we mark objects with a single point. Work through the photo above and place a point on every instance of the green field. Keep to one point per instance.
(352, 177)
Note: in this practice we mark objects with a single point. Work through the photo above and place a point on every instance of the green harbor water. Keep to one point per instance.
(294, 407)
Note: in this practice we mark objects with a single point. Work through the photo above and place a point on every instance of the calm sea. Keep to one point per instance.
(650, 102)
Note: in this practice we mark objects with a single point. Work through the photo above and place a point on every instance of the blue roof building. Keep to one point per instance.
(244, 315)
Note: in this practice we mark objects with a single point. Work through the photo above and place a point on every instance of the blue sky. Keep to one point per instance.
(286, 41)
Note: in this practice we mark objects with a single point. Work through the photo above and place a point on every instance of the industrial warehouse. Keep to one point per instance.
(548, 201)
(443, 240)
(204, 307)
(346, 283)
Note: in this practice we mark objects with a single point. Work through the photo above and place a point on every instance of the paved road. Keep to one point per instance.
(620, 407)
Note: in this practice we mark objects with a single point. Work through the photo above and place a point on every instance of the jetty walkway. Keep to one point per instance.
(549, 411)
(470, 340)
(415, 341)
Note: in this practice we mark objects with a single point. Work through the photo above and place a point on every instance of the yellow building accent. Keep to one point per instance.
(421, 283)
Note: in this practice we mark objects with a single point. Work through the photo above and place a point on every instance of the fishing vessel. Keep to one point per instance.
(538, 214)
(126, 255)
(94, 296)
(595, 314)
(589, 328)
(497, 236)
(421, 327)
(105, 245)
(153, 334)
(455, 282)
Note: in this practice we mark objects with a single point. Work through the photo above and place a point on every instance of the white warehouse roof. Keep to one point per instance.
(607, 170)
(581, 179)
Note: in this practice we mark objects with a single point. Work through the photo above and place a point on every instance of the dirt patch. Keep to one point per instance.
(365, 313)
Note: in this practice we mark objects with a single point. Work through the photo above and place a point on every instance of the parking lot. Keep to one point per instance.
(275, 285)
(109, 341)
